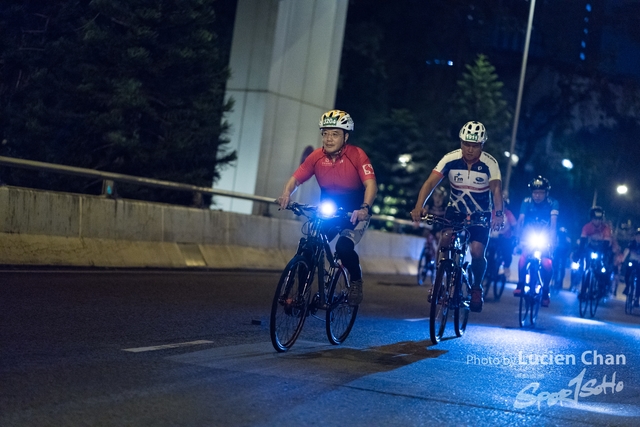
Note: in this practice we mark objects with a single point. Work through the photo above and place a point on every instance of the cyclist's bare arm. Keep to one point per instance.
(427, 188)
(289, 188)
(497, 222)
(370, 192)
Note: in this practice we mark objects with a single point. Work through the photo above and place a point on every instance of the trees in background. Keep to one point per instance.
(133, 87)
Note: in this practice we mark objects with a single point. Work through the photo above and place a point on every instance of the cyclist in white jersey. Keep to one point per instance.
(476, 188)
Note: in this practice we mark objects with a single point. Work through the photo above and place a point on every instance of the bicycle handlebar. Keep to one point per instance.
(482, 221)
(311, 210)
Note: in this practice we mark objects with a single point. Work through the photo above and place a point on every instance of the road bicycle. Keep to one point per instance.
(313, 263)
(590, 292)
(452, 287)
(632, 288)
(536, 245)
(494, 276)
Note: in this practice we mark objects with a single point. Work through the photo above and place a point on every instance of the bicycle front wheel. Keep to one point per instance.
(340, 315)
(628, 304)
(594, 291)
(439, 304)
(290, 303)
(523, 309)
(585, 292)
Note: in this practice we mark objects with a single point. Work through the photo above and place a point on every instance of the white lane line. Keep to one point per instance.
(162, 347)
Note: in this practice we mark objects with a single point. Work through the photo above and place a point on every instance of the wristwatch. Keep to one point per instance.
(499, 214)
(367, 207)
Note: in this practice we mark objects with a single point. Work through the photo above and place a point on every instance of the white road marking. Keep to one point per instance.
(162, 347)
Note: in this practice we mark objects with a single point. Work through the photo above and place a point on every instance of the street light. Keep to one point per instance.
(516, 116)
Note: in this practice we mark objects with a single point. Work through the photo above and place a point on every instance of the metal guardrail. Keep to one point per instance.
(168, 185)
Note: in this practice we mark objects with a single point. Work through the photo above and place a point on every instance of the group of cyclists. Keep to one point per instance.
(346, 177)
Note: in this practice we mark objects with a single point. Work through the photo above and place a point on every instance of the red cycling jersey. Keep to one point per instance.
(603, 232)
(341, 178)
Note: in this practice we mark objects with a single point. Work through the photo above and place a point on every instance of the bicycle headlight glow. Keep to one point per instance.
(575, 265)
(327, 209)
(538, 241)
(594, 255)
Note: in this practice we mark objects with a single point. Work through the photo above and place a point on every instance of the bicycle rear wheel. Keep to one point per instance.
(340, 315)
(461, 312)
(290, 303)
(439, 304)
(498, 286)
(585, 292)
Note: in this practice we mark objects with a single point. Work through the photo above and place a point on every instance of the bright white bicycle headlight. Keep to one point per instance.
(594, 255)
(538, 241)
(575, 265)
(327, 209)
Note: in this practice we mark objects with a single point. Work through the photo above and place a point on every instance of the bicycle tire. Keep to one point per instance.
(523, 310)
(534, 309)
(439, 309)
(595, 295)
(340, 315)
(628, 304)
(461, 312)
(290, 303)
(498, 287)
(422, 264)
(584, 295)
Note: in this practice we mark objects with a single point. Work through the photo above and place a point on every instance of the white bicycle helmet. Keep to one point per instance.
(473, 132)
(336, 119)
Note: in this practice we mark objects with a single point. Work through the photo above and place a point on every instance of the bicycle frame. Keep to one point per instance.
(293, 300)
(448, 292)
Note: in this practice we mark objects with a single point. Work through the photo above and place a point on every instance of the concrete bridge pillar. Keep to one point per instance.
(285, 59)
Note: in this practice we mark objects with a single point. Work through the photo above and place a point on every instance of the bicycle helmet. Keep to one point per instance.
(336, 119)
(596, 212)
(473, 132)
(539, 183)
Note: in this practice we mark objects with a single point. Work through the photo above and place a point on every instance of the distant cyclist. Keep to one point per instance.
(631, 256)
(538, 213)
(597, 237)
(346, 178)
(475, 187)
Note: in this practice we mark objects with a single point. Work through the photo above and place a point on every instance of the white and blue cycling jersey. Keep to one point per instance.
(470, 190)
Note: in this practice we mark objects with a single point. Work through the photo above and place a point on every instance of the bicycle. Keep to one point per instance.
(427, 263)
(531, 297)
(495, 271)
(452, 287)
(293, 301)
(590, 293)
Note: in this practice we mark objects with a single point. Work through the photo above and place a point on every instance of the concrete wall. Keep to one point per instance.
(61, 229)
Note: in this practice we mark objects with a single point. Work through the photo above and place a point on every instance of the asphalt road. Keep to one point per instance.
(192, 349)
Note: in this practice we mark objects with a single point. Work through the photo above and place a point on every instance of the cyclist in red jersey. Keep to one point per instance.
(346, 177)
(597, 236)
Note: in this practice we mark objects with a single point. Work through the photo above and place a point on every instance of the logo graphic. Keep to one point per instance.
(458, 177)
(479, 179)
(368, 169)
